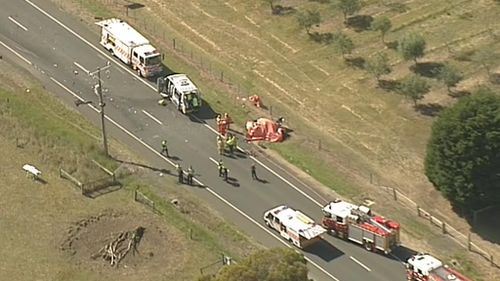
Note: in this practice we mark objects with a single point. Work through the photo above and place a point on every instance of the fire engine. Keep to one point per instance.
(124, 42)
(424, 267)
(294, 226)
(358, 224)
(181, 91)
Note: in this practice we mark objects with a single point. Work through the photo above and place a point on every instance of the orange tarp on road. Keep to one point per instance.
(264, 129)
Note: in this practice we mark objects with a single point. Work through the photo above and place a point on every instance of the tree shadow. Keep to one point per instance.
(459, 94)
(393, 45)
(389, 85)
(357, 62)
(204, 113)
(486, 224)
(427, 69)
(359, 22)
(324, 250)
(429, 109)
(280, 10)
(323, 38)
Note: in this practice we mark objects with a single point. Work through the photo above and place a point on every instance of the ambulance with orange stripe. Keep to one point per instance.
(125, 43)
(294, 226)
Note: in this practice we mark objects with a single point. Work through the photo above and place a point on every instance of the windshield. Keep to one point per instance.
(153, 60)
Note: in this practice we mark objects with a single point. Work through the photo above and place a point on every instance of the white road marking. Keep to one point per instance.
(194, 179)
(213, 160)
(16, 53)
(81, 67)
(361, 264)
(17, 23)
(152, 117)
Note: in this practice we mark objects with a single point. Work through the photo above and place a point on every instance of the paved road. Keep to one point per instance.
(58, 49)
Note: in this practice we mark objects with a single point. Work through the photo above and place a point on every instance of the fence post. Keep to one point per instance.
(443, 227)
(222, 76)
(491, 260)
(418, 211)
(319, 144)
(173, 43)
(135, 195)
(191, 234)
(394, 194)
(271, 111)
(469, 243)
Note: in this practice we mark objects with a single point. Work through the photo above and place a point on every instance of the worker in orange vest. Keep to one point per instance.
(228, 121)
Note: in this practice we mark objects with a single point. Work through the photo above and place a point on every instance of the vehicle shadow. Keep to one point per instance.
(204, 113)
(324, 250)
(402, 253)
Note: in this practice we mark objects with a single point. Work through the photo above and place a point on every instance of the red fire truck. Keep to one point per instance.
(424, 267)
(358, 224)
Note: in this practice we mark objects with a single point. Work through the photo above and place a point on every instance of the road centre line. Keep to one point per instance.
(151, 87)
(16, 53)
(196, 180)
(81, 67)
(17, 23)
(152, 117)
(360, 263)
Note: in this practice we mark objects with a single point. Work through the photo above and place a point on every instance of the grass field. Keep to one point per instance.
(50, 230)
(365, 132)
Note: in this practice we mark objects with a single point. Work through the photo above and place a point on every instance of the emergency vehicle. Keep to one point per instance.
(424, 267)
(181, 91)
(124, 42)
(358, 224)
(294, 226)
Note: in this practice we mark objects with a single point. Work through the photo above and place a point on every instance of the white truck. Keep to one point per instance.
(358, 224)
(181, 91)
(294, 226)
(424, 267)
(124, 42)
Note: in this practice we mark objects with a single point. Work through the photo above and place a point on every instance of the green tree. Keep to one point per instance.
(344, 44)
(412, 46)
(450, 76)
(487, 58)
(348, 7)
(382, 24)
(280, 264)
(308, 18)
(414, 87)
(463, 153)
(378, 65)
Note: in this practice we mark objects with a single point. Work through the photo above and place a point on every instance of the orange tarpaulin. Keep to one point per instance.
(264, 129)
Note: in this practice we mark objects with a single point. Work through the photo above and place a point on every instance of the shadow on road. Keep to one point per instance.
(324, 250)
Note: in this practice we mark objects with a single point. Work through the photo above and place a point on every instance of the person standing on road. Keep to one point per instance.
(180, 175)
(220, 145)
(254, 172)
(190, 174)
(220, 166)
(225, 173)
(164, 148)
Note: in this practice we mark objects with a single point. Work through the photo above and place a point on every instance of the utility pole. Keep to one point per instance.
(103, 117)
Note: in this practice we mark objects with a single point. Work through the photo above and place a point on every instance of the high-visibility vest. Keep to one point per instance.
(164, 143)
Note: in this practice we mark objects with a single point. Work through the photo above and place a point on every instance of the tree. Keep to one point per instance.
(414, 87)
(378, 65)
(412, 46)
(309, 18)
(486, 58)
(450, 76)
(280, 264)
(382, 24)
(463, 153)
(348, 7)
(344, 44)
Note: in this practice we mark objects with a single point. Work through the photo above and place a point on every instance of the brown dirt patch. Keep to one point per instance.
(158, 248)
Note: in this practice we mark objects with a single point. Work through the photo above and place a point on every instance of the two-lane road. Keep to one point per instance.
(59, 50)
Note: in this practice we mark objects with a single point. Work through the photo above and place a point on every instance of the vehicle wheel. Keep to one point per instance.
(368, 246)
(139, 72)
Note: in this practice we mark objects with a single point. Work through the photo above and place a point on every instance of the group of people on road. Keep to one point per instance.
(223, 139)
